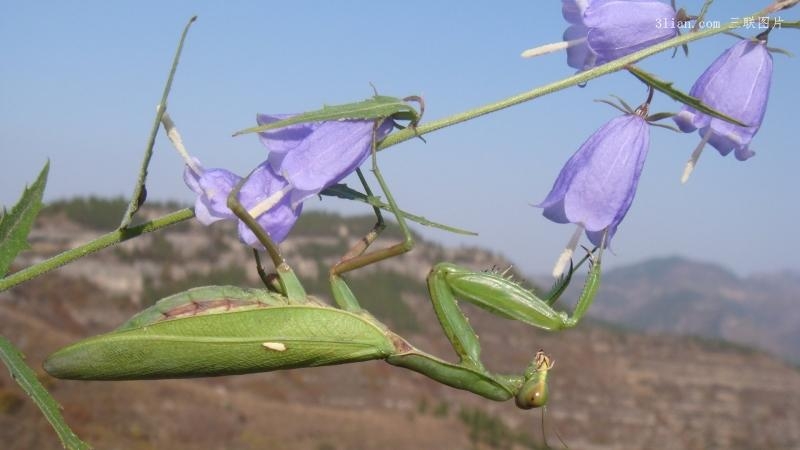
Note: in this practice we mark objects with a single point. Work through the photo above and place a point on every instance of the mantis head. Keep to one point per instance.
(534, 391)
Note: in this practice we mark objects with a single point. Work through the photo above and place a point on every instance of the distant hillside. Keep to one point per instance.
(609, 389)
(679, 296)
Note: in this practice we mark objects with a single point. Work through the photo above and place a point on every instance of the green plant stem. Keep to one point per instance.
(27, 380)
(107, 240)
(580, 78)
(402, 136)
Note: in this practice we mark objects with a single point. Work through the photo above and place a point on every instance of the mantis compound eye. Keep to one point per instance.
(534, 391)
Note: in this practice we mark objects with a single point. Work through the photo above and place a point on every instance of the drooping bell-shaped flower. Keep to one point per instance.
(578, 53)
(313, 156)
(736, 84)
(596, 186)
(601, 31)
(617, 28)
(264, 195)
(212, 187)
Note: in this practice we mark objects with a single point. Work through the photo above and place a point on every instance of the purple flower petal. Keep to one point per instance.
(330, 152)
(737, 83)
(621, 27)
(598, 183)
(283, 139)
(212, 187)
(572, 10)
(579, 55)
(278, 220)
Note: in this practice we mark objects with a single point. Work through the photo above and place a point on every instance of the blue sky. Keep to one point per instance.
(79, 82)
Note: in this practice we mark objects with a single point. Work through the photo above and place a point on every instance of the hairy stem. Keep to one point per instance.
(107, 240)
(401, 136)
(580, 78)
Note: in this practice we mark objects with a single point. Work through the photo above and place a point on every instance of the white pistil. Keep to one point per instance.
(566, 255)
(690, 165)
(267, 204)
(177, 141)
(551, 48)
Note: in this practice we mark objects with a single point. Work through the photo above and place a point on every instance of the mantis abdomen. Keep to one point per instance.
(237, 342)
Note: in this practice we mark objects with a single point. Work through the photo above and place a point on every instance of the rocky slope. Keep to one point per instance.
(610, 389)
(682, 297)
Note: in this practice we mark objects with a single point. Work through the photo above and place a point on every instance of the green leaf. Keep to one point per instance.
(15, 225)
(344, 191)
(621, 108)
(666, 87)
(781, 51)
(27, 380)
(701, 16)
(659, 116)
(377, 107)
(140, 190)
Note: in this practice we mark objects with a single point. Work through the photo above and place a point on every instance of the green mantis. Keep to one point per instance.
(224, 330)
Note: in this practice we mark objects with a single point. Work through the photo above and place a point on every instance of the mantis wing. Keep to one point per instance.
(228, 343)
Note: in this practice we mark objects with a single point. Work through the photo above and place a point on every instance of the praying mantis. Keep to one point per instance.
(225, 330)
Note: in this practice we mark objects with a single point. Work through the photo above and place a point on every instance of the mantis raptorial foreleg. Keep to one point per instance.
(491, 291)
(289, 283)
(222, 330)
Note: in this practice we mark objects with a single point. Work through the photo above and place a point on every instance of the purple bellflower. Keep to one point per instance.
(304, 159)
(595, 188)
(604, 30)
(313, 156)
(737, 84)
(616, 28)
(212, 187)
(578, 52)
(263, 195)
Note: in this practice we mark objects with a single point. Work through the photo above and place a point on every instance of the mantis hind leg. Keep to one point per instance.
(357, 256)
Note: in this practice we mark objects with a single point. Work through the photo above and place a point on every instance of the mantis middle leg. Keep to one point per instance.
(357, 256)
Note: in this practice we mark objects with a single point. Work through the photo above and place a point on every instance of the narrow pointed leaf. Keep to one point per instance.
(666, 88)
(781, 51)
(614, 105)
(702, 14)
(140, 190)
(377, 107)
(623, 103)
(26, 378)
(15, 225)
(668, 127)
(659, 116)
(345, 192)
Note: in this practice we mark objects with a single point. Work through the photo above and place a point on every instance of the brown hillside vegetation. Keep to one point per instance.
(609, 389)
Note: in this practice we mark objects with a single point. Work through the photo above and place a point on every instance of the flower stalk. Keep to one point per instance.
(574, 80)
(402, 136)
